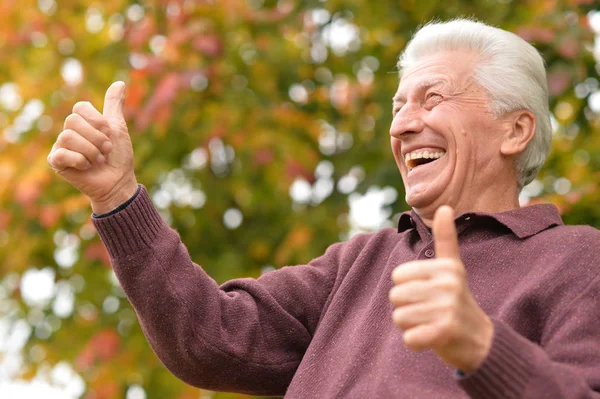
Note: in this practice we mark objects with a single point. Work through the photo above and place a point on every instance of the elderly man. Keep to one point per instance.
(498, 302)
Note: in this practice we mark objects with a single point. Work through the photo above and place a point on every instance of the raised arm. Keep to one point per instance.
(247, 335)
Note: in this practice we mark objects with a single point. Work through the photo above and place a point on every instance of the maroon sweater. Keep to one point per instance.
(324, 330)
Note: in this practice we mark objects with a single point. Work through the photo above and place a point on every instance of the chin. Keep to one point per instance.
(417, 201)
(423, 195)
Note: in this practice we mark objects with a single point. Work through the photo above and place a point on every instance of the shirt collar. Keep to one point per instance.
(523, 222)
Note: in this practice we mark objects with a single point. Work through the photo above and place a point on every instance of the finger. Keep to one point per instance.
(421, 337)
(418, 270)
(92, 116)
(444, 233)
(408, 317)
(62, 158)
(76, 123)
(410, 292)
(50, 157)
(73, 141)
(113, 102)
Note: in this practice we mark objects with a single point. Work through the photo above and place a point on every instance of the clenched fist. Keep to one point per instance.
(434, 306)
(94, 152)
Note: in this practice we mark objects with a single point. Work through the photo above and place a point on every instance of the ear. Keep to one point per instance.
(520, 132)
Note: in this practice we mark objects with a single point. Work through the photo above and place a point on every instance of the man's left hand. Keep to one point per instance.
(434, 306)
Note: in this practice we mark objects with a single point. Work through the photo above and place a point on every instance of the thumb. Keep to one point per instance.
(444, 233)
(113, 102)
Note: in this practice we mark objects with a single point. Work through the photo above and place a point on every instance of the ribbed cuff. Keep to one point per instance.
(132, 229)
(120, 207)
(507, 368)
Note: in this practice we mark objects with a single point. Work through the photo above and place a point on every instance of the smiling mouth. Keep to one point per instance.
(418, 158)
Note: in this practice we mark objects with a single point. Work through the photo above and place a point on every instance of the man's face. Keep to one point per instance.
(444, 138)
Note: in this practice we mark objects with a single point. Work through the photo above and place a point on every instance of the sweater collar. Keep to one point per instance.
(523, 222)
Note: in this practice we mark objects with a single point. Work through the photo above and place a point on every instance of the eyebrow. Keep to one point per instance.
(419, 87)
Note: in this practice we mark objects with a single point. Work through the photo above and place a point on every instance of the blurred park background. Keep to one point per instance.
(260, 128)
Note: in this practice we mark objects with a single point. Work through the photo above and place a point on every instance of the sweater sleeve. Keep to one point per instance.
(565, 365)
(248, 336)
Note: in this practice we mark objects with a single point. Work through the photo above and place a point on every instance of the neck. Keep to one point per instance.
(493, 199)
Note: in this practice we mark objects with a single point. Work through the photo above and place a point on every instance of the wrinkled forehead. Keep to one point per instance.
(452, 69)
(405, 88)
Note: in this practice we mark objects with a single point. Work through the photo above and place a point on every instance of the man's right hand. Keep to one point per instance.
(94, 152)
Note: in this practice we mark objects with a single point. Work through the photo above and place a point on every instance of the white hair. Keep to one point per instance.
(509, 69)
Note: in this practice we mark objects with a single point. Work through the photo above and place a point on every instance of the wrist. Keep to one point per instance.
(482, 348)
(114, 200)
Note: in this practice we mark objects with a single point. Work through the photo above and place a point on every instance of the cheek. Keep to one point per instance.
(472, 138)
(395, 145)
(447, 120)
(481, 147)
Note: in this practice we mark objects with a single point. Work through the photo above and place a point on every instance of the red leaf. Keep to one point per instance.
(106, 344)
(4, 219)
(139, 33)
(536, 34)
(569, 48)
(263, 157)
(49, 216)
(210, 45)
(97, 251)
(296, 169)
(558, 82)
(27, 192)
(85, 359)
(161, 100)
(103, 346)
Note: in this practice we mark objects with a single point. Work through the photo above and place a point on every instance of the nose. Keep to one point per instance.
(407, 120)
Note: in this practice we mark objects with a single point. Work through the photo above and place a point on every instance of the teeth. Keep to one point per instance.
(422, 154)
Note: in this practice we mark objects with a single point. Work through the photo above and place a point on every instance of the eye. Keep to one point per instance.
(432, 99)
(396, 109)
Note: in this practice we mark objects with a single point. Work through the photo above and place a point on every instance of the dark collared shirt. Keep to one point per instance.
(324, 330)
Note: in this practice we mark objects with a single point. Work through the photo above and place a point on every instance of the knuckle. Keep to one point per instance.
(59, 157)
(92, 152)
(397, 274)
(449, 284)
(438, 339)
(410, 341)
(66, 137)
(394, 294)
(458, 284)
(60, 154)
(449, 306)
(62, 139)
(445, 327)
(81, 106)
(446, 264)
(72, 119)
(80, 161)
(415, 343)
(398, 317)
(102, 125)
(441, 338)
(454, 267)
(456, 305)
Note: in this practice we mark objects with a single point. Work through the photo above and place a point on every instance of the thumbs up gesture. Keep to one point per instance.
(94, 152)
(434, 306)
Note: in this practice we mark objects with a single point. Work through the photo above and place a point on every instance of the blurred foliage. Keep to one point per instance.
(229, 102)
